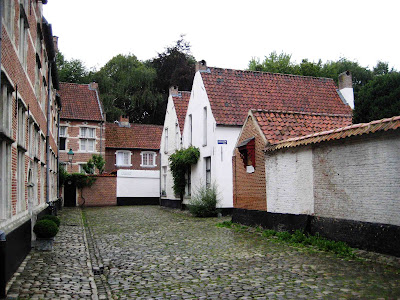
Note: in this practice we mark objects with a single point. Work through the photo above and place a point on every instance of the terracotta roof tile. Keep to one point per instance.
(339, 133)
(278, 125)
(138, 136)
(181, 102)
(233, 92)
(79, 102)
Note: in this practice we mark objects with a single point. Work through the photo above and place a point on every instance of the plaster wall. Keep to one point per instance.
(138, 183)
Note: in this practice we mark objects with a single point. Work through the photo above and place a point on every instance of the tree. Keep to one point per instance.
(73, 71)
(379, 98)
(96, 162)
(273, 63)
(127, 86)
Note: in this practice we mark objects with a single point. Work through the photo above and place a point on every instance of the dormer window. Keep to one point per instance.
(247, 153)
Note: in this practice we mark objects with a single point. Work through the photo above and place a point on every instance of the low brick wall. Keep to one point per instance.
(102, 193)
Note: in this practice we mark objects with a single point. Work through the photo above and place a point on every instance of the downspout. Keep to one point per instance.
(48, 134)
(58, 153)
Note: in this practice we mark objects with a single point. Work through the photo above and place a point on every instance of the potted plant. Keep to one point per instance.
(45, 231)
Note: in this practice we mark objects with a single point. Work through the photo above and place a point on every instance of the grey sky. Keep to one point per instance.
(228, 33)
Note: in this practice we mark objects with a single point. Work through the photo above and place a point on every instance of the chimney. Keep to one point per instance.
(173, 90)
(201, 65)
(93, 86)
(346, 88)
(124, 121)
(55, 42)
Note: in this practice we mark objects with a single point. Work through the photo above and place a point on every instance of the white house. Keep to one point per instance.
(219, 103)
(171, 140)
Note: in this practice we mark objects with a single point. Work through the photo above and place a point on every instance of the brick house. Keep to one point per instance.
(262, 128)
(171, 141)
(132, 151)
(81, 129)
(219, 103)
(29, 111)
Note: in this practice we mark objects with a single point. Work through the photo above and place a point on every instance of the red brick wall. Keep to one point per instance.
(249, 189)
(136, 160)
(102, 193)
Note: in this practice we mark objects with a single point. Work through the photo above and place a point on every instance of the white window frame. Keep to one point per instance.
(177, 139)
(8, 17)
(5, 182)
(145, 159)
(21, 204)
(207, 165)
(63, 135)
(126, 155)
(166, 140)
(164, 189)
(5, 110)
(190, 129)
(23, 45)
(204, 126)
(21, 124)
(85, 139)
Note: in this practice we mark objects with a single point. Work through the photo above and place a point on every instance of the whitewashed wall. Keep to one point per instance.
(354, 179)
(289, 181)
(138, 183)
(221, 166)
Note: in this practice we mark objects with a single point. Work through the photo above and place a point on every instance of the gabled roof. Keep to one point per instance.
(181, 102)
(137, 136)
(340, 133)
(277, 125)
(79, 102)
(233, 92)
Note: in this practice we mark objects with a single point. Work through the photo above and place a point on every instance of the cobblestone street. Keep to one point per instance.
(157, 253)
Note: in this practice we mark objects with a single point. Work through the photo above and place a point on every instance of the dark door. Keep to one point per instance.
(69, 194)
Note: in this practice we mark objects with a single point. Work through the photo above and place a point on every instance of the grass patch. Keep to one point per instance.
(298, 238)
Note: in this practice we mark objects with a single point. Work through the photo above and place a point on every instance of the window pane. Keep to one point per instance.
(91, 132)
(90, 145)
(126, 158)
(83, 144)
(83, 131)
(62, 143)
(63, 131)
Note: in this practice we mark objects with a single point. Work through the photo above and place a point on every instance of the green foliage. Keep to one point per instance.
(180, 161)
(55, 219)
(273, 63)
(96, 162)
(225, 224)
(80, 180)
(269, 233)
(63, 174)
(73, 71)
(45, 229)
(378, 99)
(204, 202)
(127, 86)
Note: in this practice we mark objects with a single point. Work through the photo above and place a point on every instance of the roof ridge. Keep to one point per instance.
(299, 112)
(269, 73)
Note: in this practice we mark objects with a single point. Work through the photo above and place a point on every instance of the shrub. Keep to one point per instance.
(269, 233)
(204, 202)
(45, 229)
(52, 218)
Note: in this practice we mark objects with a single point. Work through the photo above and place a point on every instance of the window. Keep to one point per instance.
(5, 180)
(21, 124)
(208, 171)
(189, 182)
(5, 110)
(8, 16)
(23, 29)
(81, 169)
(205, 126)
(164, 189)
(42, 183)
(148, 159)
(247, 153)
(21, 181)
(166, 140)
(31, 136)
(190, 129)
(37, 79)
(123, 158)
(63, 138)
(43, 149)
(87, 140)
(177, 140)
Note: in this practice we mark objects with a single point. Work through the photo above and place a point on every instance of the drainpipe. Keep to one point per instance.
(48, 134)
(58, 153)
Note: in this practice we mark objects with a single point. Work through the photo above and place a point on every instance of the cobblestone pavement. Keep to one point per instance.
(63, 273)
(157, 253)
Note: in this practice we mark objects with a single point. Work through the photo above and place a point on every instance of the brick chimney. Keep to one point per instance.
(55, 43)
(124, 121)
(201, 65)
(346, 88)
(173, 90)
(93, 86)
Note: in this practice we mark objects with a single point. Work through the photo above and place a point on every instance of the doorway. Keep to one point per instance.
(69, 194)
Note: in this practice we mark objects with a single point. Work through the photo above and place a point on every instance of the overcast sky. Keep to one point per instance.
(228, 34)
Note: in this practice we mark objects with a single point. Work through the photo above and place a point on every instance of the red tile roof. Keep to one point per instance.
(232, 93)
(278, 125)
(79, 102)
(181, 102)
(340, 133)
(138, 136)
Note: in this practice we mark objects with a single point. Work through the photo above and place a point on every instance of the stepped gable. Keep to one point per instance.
(232, 93)
(181, 102)
(79, 102)
(277, 125)
(137, 136)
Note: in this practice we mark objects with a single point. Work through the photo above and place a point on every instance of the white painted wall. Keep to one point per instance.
(348, 94)
(221, 167)
(289, 178)
(170, 122)
(138, 183)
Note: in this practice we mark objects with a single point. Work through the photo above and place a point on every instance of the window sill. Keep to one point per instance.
(122, 165)
(147, 166)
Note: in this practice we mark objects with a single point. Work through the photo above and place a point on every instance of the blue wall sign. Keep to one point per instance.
(224, 142)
